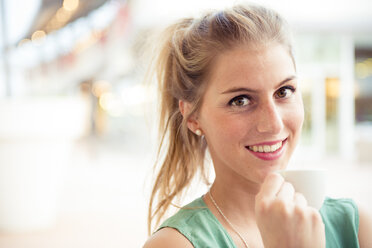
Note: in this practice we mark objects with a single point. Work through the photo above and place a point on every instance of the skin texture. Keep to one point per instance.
(265, 116)
(365, 226)
(253, 97)
(167, 238)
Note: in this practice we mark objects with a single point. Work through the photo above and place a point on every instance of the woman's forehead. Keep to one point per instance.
(242, 66)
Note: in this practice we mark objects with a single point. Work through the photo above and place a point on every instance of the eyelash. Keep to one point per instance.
(236, 98)
(291, 88)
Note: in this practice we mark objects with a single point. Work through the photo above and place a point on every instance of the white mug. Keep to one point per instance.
(309, 182)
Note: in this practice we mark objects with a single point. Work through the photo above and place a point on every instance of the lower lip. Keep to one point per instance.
(270, 155)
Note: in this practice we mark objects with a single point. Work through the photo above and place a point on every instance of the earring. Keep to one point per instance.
(198, 132)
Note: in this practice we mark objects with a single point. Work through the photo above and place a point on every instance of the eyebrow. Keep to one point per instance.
(239, 89)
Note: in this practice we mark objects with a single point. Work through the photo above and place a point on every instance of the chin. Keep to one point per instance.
(262, 174)
(275, 166)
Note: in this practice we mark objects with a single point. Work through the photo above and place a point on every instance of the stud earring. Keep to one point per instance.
(198, 132)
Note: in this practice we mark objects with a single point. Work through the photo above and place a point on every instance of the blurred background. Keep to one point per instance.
(77, 132)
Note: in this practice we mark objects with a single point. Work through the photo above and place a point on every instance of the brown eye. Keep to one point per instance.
(239, 101)
(284, 92)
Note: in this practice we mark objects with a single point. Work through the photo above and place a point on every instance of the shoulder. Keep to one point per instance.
(335, 208)
(177, 230)
(343, 211)
(192, 226)
(167, 237)
(188, 216)
(341, 202)
(365, 226)
(341, 220)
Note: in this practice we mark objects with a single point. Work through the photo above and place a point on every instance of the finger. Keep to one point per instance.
(286, 192)
(300, 200)
(271, 185)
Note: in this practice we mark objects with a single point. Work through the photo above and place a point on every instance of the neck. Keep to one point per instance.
(236, 214)
(237, 200)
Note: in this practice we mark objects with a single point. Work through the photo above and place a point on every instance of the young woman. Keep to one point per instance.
(228, 84)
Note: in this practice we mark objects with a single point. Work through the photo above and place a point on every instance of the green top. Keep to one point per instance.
(197, 223)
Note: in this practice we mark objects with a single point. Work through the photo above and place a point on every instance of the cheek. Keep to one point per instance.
(295, 117)
(223, 127)
(301, 112)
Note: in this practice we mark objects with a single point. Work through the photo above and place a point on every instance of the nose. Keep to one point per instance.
(269, 119)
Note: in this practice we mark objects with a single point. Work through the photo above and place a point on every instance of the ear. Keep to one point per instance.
(192, 122)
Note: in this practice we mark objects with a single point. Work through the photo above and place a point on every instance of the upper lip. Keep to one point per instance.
(269, 143)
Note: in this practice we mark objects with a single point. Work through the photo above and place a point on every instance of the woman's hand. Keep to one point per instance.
(283, 217)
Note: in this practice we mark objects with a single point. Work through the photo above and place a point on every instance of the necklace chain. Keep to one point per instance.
(227, 220)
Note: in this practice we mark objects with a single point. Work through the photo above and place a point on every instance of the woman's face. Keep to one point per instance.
(252, 112)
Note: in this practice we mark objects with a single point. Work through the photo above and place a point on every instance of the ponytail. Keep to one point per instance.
(183, 150)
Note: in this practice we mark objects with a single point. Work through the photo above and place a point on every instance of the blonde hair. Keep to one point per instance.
(181, 68)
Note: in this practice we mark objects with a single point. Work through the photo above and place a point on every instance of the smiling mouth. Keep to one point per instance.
(266, 148)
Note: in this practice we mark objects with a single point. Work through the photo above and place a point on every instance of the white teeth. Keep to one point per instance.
(266, 148)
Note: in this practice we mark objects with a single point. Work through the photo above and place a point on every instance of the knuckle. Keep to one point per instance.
(275, 177)
(315, 216)
(278, 177)
(300, 196)
(299, 212)
(262, 206)
(289, 186)
(281, 207)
